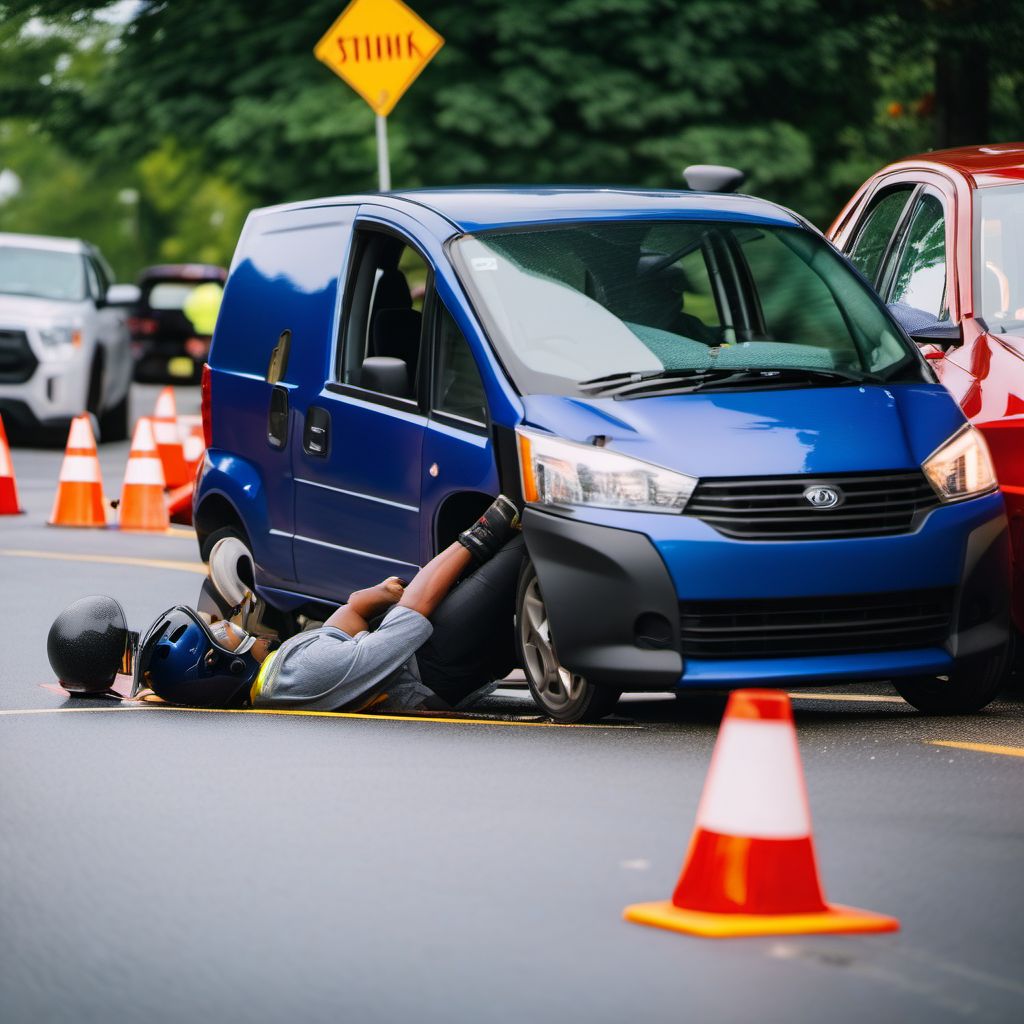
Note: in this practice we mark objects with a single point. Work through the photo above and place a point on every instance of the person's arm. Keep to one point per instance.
(366, 604)
(348, 620)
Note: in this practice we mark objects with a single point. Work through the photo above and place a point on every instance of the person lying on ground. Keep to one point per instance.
(440, 641)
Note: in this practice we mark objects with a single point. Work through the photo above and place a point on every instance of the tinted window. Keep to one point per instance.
(920, 276)
(457, 389)
(567, 305)
(42, 273)
(384, 307)
(876, 230)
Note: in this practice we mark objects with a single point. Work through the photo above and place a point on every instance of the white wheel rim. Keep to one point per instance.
(556, 686)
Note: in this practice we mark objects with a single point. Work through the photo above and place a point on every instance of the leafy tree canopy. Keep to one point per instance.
(200, 110)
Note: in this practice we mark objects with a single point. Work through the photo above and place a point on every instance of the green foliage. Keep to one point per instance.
(204, 109)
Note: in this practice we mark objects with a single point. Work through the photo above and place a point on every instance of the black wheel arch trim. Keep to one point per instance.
(611, 603)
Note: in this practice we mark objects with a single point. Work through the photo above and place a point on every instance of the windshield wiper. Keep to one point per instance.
(600, 385)
(687, 381)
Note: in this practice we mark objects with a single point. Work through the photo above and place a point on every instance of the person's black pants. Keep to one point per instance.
(473, 642)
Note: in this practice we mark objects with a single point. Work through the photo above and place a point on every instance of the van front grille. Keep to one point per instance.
(776, 508)
(791, 627)
(17, 363)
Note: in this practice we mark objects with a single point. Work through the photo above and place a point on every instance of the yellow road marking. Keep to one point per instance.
(148, 563)
(318, 714)
(866, 698)
(180, 532)
(983, 748)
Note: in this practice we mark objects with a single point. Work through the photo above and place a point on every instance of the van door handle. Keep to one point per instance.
(316, 437)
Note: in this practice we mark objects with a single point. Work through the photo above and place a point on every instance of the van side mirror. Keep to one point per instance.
(385, 375)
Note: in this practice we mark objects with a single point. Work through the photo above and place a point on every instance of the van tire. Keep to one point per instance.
(967, 689)
(217, 535)
(562, 695)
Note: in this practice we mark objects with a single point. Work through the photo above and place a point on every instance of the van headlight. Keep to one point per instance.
(961, 467)
(60, 341)
(557, 472)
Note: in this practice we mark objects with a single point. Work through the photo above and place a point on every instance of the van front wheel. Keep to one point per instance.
(967, 689)
(564, 695)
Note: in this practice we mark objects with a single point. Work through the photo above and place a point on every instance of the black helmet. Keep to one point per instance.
(89, 643)
(183, 663)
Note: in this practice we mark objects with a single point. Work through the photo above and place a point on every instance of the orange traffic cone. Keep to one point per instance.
(751, 868)
(9, 505)
(165, 430)
(79, 500)
(193, 441)
(142, 496)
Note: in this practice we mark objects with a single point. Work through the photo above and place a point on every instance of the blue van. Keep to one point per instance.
(736, 467)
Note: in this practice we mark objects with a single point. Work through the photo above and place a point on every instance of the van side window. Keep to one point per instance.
(457, 387)
(385, 316)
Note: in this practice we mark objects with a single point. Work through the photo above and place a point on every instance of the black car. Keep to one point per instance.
(166, 343)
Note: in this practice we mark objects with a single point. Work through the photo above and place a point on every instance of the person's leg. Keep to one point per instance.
(473, 641)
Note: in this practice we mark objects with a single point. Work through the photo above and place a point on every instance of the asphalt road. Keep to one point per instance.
(169, 865)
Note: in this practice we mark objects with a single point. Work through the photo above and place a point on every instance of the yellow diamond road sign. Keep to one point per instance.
(378, 47)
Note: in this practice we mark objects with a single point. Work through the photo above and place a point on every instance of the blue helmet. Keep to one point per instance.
(182, 662)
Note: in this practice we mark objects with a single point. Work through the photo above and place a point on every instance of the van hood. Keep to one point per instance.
(763, 433)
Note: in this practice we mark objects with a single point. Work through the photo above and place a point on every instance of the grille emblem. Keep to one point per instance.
(823, 497)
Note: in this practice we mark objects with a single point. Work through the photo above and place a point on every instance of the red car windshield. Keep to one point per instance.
(999, 260)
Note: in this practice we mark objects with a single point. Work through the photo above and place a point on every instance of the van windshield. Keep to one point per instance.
(41, 273)
(570, 305)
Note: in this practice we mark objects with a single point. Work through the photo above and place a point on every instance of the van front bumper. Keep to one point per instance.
(615, 584)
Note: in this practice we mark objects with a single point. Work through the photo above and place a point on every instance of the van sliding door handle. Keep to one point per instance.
(316, 437)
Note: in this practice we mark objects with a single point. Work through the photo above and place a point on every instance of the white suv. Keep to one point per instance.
(64, 340)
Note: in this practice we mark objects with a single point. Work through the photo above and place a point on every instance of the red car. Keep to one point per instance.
(941, 238)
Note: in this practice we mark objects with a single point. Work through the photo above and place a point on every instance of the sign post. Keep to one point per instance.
(383, 159)
(379, 47)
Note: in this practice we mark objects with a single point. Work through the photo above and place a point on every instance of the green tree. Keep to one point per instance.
(203, 108)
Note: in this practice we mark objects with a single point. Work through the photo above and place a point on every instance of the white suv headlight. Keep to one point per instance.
(961, 467)
(557, 472)
(60, 342)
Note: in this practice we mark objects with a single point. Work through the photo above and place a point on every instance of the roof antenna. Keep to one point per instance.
(713, 178)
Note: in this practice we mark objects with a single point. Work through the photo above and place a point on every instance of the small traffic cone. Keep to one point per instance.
(9, 505)
(79, 500)
(751, 868)
(142, 495)
(165, 431)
